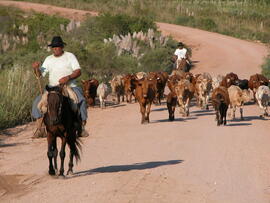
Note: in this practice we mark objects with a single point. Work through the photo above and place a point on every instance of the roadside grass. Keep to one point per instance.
(17, 93)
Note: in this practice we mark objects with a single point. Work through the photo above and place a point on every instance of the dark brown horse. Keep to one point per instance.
(61, 121)
(183, 65)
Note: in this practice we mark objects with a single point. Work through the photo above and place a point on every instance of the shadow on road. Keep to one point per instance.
(119, 168)
(239, 124)
(205, 114)
(183, 119)
(159, 109)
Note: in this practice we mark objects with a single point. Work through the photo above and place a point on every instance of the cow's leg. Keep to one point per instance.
(62, 154)
(187, 107)
(50, 152)
(126, 94)
(221, 115)
(173, 104)
(241, 112)
(117, 98)
(93, 101)
(135, 99)
(265, 110)
(225, 115)
(181, 105)
(233, 114)
(130, 97)
(142, 108)
(260, 105)
(206, 102)
(103, 103)
(218, 117)
(169, 107)
(148, 112)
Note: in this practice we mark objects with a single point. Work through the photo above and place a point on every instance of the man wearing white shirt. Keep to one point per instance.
(181, 53)
(63, 68)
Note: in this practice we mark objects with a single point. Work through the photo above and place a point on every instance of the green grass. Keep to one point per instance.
(17, 93)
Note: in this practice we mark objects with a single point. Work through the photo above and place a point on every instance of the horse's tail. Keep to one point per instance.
(75, 146)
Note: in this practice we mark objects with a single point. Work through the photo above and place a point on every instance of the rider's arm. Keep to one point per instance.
(75, 74)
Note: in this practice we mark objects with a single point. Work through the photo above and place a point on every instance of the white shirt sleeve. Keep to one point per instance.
(44, 67)
(74, 62)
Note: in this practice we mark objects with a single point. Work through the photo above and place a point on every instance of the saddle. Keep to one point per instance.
(67, 92)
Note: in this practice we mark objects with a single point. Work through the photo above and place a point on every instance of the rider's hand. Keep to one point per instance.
(64, 80)
(36, 64)
(35, 67)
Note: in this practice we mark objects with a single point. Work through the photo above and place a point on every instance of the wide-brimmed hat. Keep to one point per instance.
(57, 42)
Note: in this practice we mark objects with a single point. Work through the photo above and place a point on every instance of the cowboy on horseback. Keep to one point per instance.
(181, 55)
(63, 68)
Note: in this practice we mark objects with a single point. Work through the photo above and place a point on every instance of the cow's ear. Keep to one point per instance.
(82, 81)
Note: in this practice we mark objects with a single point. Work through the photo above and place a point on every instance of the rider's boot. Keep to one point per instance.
(84, 132)
(40, 129)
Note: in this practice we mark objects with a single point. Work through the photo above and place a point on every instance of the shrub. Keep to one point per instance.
(266, 67)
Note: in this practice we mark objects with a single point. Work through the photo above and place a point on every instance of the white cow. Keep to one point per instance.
(102, 92)
(263, 97)
(237, 99)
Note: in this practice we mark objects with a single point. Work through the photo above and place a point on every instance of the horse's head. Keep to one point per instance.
(55, 101)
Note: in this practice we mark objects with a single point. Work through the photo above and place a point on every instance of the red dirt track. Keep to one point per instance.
(188, 160)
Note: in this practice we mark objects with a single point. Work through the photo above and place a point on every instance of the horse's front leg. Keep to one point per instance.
(55, 153)
(63, 154)
(50, 152)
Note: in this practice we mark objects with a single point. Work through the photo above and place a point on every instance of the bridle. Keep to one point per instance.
(59, 112)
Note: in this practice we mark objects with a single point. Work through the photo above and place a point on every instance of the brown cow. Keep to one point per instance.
(172, 82)
(184, 91)
(171, 104)
(220, 102)
(229, 79)
(161, 79)
(129, 86)
(90, 90)
(145, 94)
(257, 80)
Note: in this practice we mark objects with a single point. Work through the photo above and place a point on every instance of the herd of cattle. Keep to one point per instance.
(147, 88)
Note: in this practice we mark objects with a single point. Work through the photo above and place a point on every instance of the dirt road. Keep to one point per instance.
(189, 160)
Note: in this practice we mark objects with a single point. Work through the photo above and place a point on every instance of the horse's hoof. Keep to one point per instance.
(61, 176)
(70, 173)
(52, 172)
